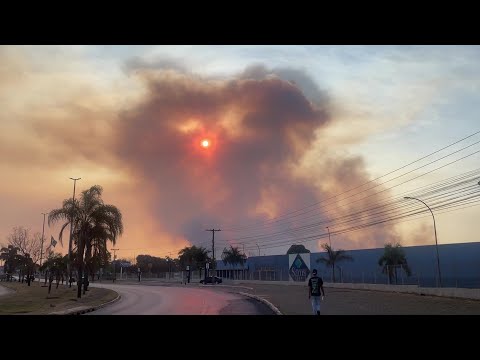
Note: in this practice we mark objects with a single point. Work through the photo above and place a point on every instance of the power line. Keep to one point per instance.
(416, 177)
(295, 231)
(275, 219)
(446, 198)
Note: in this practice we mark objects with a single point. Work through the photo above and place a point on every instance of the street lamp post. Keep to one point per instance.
(329, 240)
(258, 250)
(43, 237)
(436, 242)
(69, 268)
(41, 248)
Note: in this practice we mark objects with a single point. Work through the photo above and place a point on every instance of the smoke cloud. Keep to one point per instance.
(268, 152)
(261, 124)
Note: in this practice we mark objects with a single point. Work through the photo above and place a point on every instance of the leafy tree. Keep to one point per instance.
(195, 257)
(393, 258)
(333, 257)
(152, 264)
(21, 238)
(297, 249)
(56, 266)
(93, 222)
(27, 267)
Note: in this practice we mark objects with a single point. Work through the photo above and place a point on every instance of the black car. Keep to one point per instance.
(209, 280)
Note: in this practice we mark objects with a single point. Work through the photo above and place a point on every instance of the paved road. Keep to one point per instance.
(175, 300)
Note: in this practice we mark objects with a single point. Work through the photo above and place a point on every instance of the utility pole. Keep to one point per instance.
(43, 234)
(213, 252)
(330, 241)
(69, 266)
(114, 258)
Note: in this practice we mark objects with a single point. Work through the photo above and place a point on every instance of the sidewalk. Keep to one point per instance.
(293, 300)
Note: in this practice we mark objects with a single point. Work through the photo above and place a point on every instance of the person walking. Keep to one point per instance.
(315, 290)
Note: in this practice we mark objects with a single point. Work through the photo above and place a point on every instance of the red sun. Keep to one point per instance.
(205, 143)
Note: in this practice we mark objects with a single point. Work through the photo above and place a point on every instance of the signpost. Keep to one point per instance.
(207, 266)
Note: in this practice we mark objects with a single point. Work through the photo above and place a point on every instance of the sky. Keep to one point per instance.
(290, 129)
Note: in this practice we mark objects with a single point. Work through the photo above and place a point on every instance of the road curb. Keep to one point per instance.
(262, 300)
(227, 286)
(84, 310)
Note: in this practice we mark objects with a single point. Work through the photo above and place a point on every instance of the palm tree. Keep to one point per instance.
(92, 220)
(333, 257)
(200, 257)
(97, 245)
(393, 258)
(98, 256)
(12, 259)
(233, 256)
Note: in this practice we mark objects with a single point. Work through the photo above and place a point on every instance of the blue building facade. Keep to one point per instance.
(459, 265)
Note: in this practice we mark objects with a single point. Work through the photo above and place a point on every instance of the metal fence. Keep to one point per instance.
(341, 276)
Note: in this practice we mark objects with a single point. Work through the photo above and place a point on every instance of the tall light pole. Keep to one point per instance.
(258, 250)
(114, 262)
(43, 237)
(71, 230)
(436, 242)
(329, 240)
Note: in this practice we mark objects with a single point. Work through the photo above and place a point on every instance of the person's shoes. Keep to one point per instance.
(318, 312)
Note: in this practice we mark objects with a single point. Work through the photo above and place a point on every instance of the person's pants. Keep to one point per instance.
(315, 304)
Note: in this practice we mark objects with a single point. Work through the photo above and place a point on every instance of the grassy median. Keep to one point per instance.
(35, 300)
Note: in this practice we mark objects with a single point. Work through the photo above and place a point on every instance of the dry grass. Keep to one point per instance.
(35, 300)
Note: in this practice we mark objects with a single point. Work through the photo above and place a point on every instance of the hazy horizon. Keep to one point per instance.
(291, 130)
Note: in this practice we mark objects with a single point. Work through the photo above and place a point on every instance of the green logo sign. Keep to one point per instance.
(299, 271)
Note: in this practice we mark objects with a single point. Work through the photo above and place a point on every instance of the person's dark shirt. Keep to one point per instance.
(315, 283)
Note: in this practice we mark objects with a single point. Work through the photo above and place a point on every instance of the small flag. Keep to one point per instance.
(53, 242)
